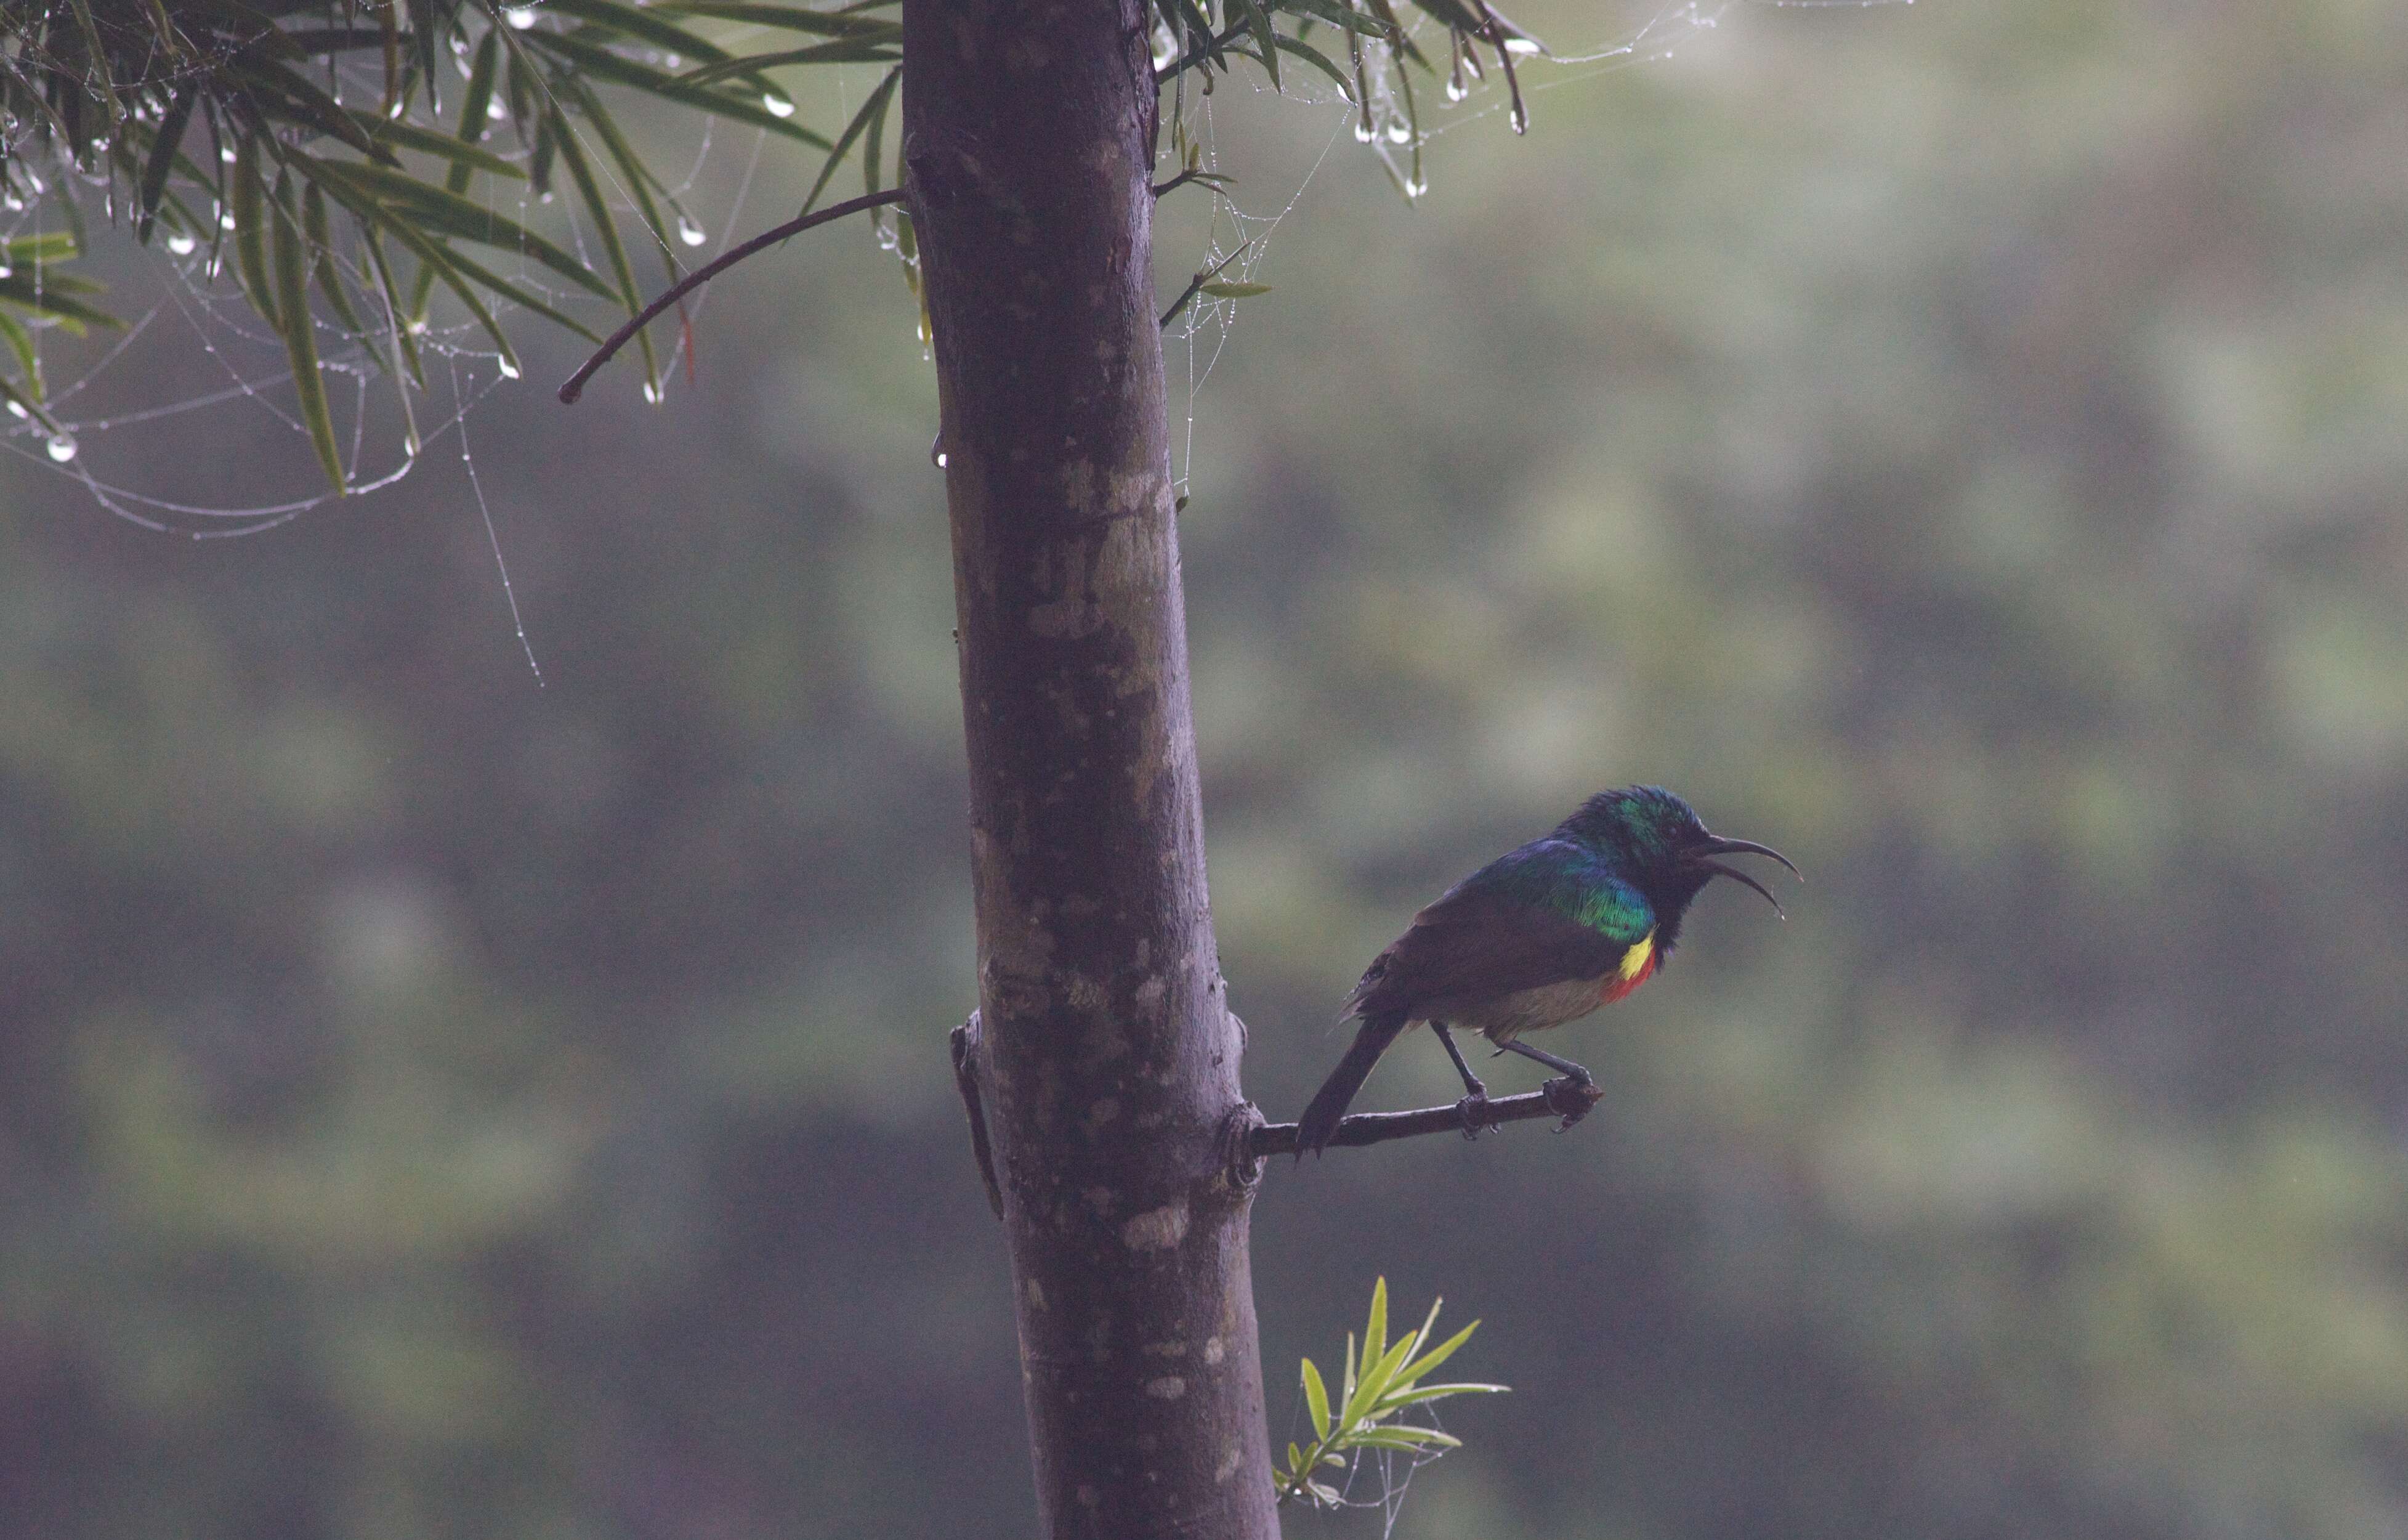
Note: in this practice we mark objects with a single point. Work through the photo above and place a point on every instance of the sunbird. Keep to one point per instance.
(1538, 937)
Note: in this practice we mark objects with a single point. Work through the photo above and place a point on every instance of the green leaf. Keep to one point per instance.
(300, 329)
(1375, 1334)
(322, 266)
(1314, 57)
(872, 110)
(473, 158)
(1346, 1381)
(1396, 1401)
(460, 276)
(793, 18)
(845, 50)
(405, 346)
(1316, 1399)
(301, 101)
(446, 212)
(1438, 1354)
(36, 250)
(422, 29)
(1337, 15)
(1411, 1440)
(587, 188)
(21, 342)
(162, 159)
(250, 229)
(603, 64)
(1258, 21)
(34, 408)
(1233, 291)
(644, 25)
(639, 179)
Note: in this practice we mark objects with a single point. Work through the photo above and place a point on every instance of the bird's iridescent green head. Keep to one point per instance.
(1659, 844)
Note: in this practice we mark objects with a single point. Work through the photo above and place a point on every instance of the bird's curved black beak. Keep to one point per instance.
(1716, 846)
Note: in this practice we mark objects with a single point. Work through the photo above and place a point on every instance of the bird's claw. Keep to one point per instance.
(1473, 1110)
(1571, 1097)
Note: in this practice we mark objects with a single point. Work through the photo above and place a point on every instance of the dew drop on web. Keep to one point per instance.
(776, 104)
(689, 232)
(63, 449)
(181, 243)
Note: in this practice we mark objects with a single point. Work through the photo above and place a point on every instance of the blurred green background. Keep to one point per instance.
(1962, 445)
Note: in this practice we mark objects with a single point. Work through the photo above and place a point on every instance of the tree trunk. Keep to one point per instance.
(1108, 1057)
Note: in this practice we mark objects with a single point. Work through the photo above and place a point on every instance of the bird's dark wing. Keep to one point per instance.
(1547, 913)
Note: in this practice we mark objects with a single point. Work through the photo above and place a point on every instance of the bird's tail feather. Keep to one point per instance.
(1328, 1104)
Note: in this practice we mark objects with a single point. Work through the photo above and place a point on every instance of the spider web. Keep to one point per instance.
(1237, 241)
(195, 341)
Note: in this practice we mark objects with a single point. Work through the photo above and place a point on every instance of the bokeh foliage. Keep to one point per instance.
(1957, 444)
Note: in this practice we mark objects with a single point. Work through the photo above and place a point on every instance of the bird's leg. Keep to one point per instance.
(1474, 1105)
(1579, 1088)
(1551, 1061)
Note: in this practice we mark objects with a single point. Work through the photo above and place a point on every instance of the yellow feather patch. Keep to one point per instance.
(1634, 961)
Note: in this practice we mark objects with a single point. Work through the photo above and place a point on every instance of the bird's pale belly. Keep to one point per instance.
(1506, 1018)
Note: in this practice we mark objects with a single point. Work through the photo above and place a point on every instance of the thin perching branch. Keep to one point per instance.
(708, 271)
(1563, 1096)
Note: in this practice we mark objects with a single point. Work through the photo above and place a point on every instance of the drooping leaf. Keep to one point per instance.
(162, 159)
(872, 110)
(587, 188)
(444, 212)
(300, 329)
(250, 229)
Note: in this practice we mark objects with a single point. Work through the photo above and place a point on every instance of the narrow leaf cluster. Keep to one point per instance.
(1367, 51)
(333, 149)
(1379, 1382)
(359, 152)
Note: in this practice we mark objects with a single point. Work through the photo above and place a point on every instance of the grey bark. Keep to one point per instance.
(1107, 1059)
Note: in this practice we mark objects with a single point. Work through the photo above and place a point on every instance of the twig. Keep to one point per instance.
(965, 1047)
(708, 271)
(1563, 1098)
(1196, 285)
(1210, 179)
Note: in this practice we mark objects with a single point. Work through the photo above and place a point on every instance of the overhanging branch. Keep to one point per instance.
(708, 271)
